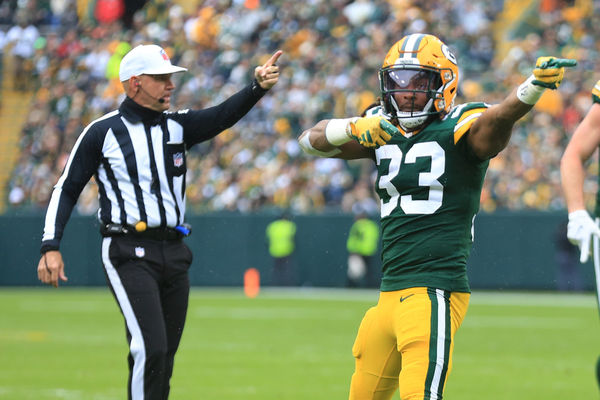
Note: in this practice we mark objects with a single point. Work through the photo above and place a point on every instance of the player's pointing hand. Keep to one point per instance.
(549, 71)
(547, 74)
(267, 75)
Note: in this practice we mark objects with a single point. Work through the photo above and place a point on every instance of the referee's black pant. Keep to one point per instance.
(149, 280)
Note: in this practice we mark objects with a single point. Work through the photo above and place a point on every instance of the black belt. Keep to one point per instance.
(150, 233)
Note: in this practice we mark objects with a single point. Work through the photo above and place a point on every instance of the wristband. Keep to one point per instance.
(48, 247)
(529, 93)
(337, 131)
(257, 89)
(309, 149)
(578, 214)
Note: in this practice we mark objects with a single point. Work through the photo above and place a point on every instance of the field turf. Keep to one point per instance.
(290, 344)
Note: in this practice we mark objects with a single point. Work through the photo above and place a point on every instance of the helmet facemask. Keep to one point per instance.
(412, 81)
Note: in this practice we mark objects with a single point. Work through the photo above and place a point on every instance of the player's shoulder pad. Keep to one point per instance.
(463, 116)
(596, 93)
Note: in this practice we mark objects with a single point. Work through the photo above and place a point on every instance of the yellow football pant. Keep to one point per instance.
(406, 342)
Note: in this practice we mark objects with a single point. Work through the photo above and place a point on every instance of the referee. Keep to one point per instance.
(137, 156)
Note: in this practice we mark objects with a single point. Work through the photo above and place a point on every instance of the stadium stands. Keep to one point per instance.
(333, 50)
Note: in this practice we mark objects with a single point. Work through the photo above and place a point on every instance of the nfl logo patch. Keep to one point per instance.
(178, 159)
(140, 252)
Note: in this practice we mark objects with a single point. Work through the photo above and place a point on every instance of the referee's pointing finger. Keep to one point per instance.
(273, 59)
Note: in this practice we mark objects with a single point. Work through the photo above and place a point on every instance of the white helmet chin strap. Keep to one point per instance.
(411, 120)
(411, 123)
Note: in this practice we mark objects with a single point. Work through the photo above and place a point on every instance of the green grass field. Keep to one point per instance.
(70, 344)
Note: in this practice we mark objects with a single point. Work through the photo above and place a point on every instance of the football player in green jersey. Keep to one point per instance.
(431, 157)
(583, 144)
(582, 230)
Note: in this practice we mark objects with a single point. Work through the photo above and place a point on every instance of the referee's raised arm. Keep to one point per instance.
(202, 125)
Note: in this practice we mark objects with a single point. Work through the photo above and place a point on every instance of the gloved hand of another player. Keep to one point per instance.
(580, 230)
(372, 131)
(549, 71)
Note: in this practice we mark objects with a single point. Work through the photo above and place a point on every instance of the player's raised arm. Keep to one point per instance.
(491, 132)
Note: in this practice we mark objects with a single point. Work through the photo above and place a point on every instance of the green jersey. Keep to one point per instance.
(430, 186)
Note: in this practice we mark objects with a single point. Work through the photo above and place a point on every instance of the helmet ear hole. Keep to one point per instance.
(441, 104)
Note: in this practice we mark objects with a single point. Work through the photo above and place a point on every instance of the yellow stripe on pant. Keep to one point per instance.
(406, 342)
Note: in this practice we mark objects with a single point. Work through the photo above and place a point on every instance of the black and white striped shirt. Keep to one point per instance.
(137, 156)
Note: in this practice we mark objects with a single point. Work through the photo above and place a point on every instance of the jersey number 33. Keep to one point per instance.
(426, 179)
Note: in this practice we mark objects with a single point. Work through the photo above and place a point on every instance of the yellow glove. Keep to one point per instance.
(549, 71)
(372, 131)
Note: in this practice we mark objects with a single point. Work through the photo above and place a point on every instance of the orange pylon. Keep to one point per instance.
(251, 282)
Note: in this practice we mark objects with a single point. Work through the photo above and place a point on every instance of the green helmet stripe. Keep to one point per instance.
(411, 44)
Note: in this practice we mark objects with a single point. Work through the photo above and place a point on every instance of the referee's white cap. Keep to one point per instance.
(147, 59)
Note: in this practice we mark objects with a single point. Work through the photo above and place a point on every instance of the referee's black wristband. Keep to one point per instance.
(257, 89)
(48, 247)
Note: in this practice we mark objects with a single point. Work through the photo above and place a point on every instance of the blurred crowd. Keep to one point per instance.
(332, 52)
